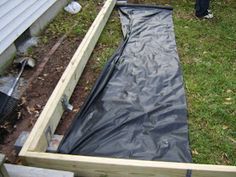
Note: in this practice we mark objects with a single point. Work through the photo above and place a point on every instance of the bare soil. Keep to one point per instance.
(38, 92)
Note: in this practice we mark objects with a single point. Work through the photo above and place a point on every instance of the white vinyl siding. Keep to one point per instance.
(18, 15)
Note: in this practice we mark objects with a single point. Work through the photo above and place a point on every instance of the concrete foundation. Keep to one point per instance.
(24, 171)
(48, 16)
(7, 57)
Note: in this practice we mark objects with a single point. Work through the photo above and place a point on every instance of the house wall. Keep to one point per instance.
(16, 16)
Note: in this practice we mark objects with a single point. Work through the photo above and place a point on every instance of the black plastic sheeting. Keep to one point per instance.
(137, 109)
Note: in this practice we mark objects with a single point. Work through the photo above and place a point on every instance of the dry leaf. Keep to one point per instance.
(227, 103)
(231, 139)
(225, 127)
(23, 100)
(75, 110)
(228, 99)
(40, 78)
(30, 110)
(229, 91)
(225, 158)
(194, 151)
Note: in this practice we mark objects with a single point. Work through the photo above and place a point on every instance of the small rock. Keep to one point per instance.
(225, 127)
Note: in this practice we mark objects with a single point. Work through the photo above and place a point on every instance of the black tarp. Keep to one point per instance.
(137, 108)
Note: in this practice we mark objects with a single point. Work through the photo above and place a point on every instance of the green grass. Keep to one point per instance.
(207, 50)
(108, 42)
(64, 21)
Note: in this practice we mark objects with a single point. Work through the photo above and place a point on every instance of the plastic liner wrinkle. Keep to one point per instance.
(137, 108)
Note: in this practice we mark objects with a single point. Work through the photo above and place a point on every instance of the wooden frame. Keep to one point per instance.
(33, 152)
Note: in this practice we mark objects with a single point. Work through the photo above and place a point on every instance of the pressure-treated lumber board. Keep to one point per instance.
(33, 150)
(96, 166)
(53, 110)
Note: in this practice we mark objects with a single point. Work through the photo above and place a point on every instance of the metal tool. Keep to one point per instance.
(7, 102)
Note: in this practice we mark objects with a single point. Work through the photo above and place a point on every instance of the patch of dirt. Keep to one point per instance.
(37, 94)
(23, 124)
(79, 95)
(39, 90)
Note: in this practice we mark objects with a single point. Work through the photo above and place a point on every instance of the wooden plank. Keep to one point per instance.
(53, 110)
(23, 171)
(96, 166)
(33, 150)
(199, 173)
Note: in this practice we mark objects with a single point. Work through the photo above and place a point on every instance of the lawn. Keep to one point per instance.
(207, 50)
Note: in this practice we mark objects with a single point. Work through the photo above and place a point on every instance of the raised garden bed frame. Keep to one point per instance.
(34, 150)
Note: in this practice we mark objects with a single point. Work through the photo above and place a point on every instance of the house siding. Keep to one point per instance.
(18, 15)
